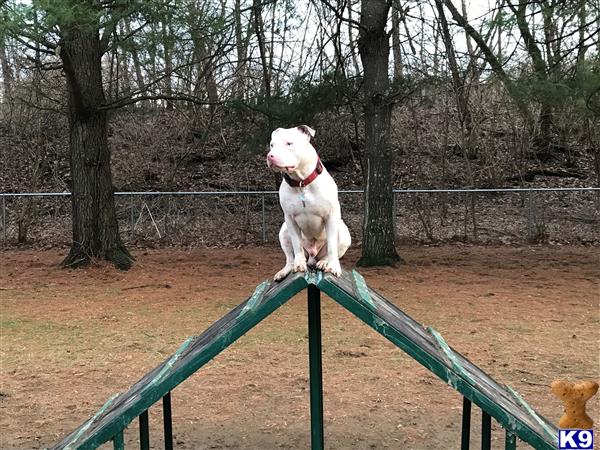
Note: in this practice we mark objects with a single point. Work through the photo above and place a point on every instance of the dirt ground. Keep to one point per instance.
(70, 339)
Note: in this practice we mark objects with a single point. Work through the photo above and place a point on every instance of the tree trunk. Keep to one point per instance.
(167, 47)
(95, 226)
(582, 47)
(204, 71)
(260, 35)
(241, 45)
(544, 138)
(459, 86)
(396, 47)
(351, 41)
(7, 75)
(374, 48)
(136, 59)
(494, 63)
(123, 67)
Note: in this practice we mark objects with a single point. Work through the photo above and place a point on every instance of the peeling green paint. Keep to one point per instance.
(255, 297)
(448, 352)
(352, 293)
(360, 287)
(531, 412)
(87, 425)
(172, 360)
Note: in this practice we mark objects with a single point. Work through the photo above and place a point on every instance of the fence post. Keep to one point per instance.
(394, 212)
(264, 232)
(474, 217)
(165, 226)
(4, 219)
(131, 218)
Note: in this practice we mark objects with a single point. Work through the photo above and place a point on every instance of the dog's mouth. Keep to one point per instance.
(287, 169)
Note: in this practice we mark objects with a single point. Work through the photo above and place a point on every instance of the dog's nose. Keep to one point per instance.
(271, 156)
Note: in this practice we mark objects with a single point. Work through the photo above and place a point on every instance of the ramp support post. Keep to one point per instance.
(168, 421)
(486, 430)
(316, 368)
(144, 431)
(119, 441)
(510, 442)
(466, 425)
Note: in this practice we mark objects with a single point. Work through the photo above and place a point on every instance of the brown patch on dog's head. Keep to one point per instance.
(305, 129)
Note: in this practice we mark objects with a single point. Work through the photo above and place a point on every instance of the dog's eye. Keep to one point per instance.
(288, 143)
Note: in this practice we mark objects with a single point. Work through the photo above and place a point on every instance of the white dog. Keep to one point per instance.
(308, 196)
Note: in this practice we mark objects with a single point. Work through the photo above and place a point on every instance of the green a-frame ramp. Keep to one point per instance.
(425, 345)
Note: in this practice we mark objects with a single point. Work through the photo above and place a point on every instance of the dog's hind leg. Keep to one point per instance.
(344, 239)
(288, 249)
(343, 243)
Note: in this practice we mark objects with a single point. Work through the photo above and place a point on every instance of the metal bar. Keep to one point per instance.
(486, 431)
(465, 439)
(144, 431)
(346, 191)
(119, 442)
(264, 231)
(510, 442)
(315, 361)
(168, 421)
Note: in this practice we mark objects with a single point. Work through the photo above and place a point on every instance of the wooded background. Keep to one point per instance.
(122, 95)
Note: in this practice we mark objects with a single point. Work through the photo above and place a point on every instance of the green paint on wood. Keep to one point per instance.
(255, 298)
(89, 423)
(151, 394)
(119, 442)
(465, 385)
(313, 276)
(450, 355)
(351, 292)
(510, 441)
(361, 289)
(532, 413)
(172, 360)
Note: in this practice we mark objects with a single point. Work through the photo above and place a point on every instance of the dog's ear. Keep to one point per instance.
(305, 129)
(275, 132)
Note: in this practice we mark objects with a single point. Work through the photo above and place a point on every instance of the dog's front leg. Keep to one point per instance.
(331, 263)
(295, 237)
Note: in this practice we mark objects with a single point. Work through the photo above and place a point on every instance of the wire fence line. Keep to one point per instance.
(421, 215)
(342, 191)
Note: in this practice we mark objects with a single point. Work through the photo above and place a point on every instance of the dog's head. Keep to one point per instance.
(290, 149)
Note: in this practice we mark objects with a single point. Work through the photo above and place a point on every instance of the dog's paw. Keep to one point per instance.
(322, 264)
(300, 266)
(282, 273)
(334, 268)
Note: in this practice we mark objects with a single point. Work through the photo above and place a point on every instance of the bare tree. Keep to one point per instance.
(7, 75)
(396, 47)
(378, 231)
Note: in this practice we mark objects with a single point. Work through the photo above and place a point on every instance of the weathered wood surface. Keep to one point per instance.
(192, 355)
(425, 345)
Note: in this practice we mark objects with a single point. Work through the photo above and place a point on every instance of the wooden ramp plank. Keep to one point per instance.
(193, 354)
(424, 345)
(431, 351)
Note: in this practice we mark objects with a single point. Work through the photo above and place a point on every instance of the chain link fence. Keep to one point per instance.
(485, 216)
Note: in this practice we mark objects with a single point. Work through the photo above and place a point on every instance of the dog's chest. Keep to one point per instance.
(300, 202)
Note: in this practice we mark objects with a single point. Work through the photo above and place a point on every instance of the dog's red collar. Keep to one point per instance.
(309, 179)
